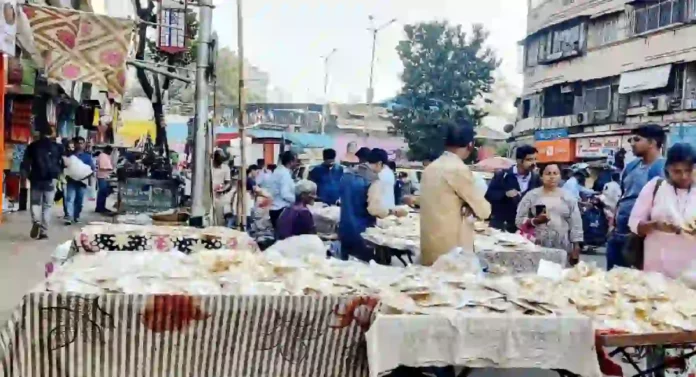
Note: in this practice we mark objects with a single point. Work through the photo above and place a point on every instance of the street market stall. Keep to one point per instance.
(501, 252)
(140, 305)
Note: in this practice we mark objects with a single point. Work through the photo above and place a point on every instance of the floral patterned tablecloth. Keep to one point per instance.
(123, 237)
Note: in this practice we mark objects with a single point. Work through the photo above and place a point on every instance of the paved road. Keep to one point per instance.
(22, 259)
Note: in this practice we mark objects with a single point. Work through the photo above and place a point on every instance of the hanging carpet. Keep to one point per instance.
(82, 46)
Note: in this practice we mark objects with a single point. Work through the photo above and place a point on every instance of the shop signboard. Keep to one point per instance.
(555, 134)
(8, 26)
(561, 150)
(600, 146)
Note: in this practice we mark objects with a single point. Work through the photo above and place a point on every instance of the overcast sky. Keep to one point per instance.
(287, 39)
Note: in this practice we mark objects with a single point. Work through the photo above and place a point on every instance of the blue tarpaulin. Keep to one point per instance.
(300, 139)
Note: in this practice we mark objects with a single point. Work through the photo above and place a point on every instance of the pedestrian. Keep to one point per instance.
(42, 166)
(68, 150)
(508, 187)
(403, 187)
(646, 144)
(661, 211)
(75, 193)
(264, 173)
(362, 204)
(222, 187)
(388, 181)
(297, 220)
(449, 196)
(327, 176)
(104, 169)
(282, 186)
(252, 191)
(554, 215)
(575, 185)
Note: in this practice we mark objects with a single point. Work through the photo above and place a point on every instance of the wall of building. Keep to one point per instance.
(663, 47)
(553, 12)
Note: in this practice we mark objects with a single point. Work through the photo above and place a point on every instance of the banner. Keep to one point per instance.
(601, 146)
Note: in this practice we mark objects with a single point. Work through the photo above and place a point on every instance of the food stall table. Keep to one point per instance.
(125, 335)
(633, 348)
(483, 341)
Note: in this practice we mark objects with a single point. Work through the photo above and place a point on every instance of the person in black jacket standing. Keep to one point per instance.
(509, 186)
(42, 165)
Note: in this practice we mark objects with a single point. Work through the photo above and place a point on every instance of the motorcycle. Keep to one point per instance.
(595, 224)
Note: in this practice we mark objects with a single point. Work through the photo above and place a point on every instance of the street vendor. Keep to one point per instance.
(361, 205)
(297, 220)
(448, 187)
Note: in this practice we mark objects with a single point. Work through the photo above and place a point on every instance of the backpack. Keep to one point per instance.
(46, 165)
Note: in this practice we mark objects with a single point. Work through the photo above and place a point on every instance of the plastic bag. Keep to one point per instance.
(459, 261)
(59, 256)
(76, 169)
(299, 247)
(688, 276)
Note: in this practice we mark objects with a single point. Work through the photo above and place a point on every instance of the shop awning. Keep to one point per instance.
(306, 140)
(645, 79)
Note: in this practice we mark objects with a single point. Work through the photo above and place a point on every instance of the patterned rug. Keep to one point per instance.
(81, 46)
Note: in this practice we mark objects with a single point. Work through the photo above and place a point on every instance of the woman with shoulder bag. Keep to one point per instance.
(663, 213)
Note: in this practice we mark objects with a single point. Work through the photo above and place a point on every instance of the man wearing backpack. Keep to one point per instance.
(42, 166)
(646, 143)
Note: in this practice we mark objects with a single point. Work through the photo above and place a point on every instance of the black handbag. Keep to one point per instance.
(634, 250)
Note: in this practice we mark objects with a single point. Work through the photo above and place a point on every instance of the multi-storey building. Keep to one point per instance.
(595, 69)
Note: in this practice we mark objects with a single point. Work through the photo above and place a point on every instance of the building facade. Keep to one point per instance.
(595, 69)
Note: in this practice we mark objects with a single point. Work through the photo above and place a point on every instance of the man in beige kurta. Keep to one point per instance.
(448, 190)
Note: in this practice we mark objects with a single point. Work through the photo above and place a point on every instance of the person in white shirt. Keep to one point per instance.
(282, 186)
(387, 180)
(264, 174)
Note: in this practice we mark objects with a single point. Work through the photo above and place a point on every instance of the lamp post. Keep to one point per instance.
(370, 90)
(326, 88)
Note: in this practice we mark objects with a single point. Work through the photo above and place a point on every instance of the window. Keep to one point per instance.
(608, 31)
(658, 14)
(598, 98)
(526, 104)
(557, 103)
(532, 52)
(566, 40)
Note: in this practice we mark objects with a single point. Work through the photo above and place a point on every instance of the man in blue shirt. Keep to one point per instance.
(646, 143)
(282, 186)
(327, 177)
(75, 190)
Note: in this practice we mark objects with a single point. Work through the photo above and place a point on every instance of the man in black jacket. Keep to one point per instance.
(509, 186)
(42, 165)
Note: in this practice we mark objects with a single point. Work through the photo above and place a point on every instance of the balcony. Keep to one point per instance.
(558, 56)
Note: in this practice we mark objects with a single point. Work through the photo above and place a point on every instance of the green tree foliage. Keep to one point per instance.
(445, 70)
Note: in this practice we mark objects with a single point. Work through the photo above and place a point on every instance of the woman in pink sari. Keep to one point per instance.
(663, 209)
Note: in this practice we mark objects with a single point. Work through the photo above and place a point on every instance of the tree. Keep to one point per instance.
(226, 82)
(153, 90)
(445, 70)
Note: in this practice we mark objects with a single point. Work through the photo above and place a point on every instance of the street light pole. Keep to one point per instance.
(201, 160)
(370, 90)
(241, 214)
(326, 88)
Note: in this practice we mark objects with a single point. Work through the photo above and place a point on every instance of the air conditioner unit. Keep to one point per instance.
(658, 104)
(690, 104)
(583, 119)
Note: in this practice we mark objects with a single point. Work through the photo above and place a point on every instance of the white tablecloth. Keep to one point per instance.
(482, 341)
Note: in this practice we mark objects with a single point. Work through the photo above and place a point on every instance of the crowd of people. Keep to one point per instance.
(648, 203)
(46, 166)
